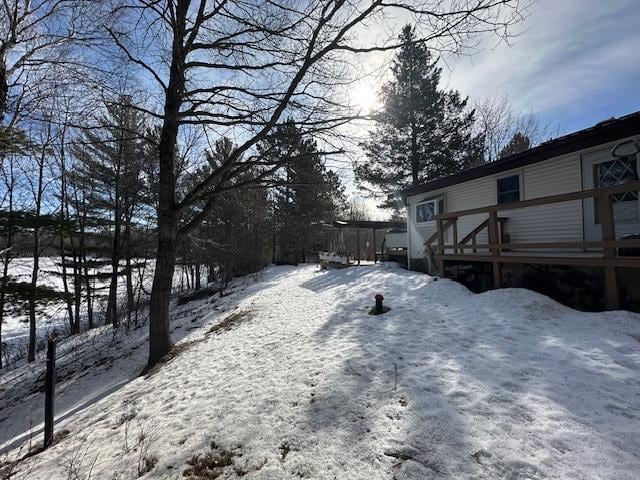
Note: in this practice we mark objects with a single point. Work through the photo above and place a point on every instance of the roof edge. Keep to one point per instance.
(603, 132)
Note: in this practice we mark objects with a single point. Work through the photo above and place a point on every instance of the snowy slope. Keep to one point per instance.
(298, 381)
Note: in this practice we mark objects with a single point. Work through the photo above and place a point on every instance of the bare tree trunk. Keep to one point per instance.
(111, 316)
(4, 82)
(83, 266)
(129, 273)
(6, 259)
(159, 330)
(5, 277)
(31, 356)
(77, 285)
(77, 279)
(64, 217)
(141, 277)
(63, 264)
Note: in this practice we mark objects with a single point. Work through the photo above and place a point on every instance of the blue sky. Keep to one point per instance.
(573, 64)
(576, 62)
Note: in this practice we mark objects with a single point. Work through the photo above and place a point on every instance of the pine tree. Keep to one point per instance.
(518, 143)
(234, 238)
(422, 132)
(111, 168)
(310, 193)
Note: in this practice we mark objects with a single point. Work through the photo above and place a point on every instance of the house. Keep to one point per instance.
(562, 218)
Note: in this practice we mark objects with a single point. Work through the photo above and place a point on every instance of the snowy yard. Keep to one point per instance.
(298, 381)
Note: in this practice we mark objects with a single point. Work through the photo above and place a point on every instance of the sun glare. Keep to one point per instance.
(364, 98)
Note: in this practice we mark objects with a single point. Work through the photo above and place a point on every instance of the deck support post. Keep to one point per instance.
(455, 236)
(612, 293)
(440, 232)
(494, 242)
(358, 243)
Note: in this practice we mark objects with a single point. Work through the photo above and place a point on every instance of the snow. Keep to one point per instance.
(52, 316)
(289, 377)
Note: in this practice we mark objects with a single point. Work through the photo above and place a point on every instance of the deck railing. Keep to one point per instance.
(606, 255)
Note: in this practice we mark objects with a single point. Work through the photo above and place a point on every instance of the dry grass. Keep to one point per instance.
(209, 465)
(230, 322)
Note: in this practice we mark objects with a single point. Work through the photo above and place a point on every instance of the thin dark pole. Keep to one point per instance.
(49, 389)
(375, 247)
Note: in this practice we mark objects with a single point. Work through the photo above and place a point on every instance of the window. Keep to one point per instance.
(425, 211)
(616, 172)
(509, 189)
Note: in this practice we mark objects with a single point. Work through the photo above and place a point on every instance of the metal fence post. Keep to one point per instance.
(49, 392)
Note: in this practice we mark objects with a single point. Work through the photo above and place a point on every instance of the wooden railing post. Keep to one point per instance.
(607, 223)
(455, 236)
(494, 242)
(440, 225)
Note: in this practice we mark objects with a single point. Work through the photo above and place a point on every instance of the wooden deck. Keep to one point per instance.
(499, 250)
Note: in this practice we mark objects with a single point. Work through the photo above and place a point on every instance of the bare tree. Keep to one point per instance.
(241, 65)
(498, 122)
(41, 157)
(7, 228)
(34, 35)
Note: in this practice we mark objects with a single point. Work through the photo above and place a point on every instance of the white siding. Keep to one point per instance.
(559, 222)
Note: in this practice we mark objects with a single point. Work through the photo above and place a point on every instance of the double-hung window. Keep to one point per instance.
(509, 189)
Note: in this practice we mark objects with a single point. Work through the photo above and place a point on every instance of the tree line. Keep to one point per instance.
(87, 197)
(196, 132)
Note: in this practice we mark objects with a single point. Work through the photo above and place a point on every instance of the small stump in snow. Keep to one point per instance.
(379, 309)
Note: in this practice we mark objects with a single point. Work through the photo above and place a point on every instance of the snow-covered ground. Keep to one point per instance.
(289, 377)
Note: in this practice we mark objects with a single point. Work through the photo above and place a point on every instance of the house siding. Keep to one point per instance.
(559, 222)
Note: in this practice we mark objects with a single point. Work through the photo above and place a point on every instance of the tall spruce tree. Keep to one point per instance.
(308, 195)
(235, 237)
(422, 132)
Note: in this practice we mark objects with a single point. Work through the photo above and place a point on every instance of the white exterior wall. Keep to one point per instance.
(395, 240)
(560, 222)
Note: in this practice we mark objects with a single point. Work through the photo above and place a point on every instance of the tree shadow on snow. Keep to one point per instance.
(449, 382)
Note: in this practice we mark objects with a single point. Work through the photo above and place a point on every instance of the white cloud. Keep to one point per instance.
(571, 51)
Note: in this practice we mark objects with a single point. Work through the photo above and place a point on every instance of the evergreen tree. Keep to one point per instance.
(235, 236)
(112, 163)
(422, 132)
(518, 143)
(308, 195)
